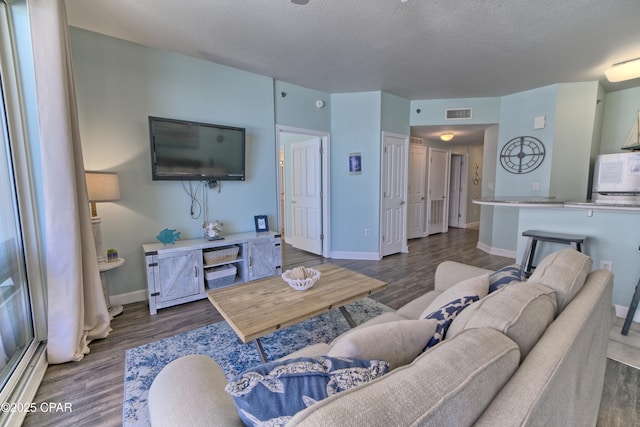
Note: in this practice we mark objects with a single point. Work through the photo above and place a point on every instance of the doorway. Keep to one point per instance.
(416, 191)
(437, 189)
(393, 217)
(458, 191)
(303, 188)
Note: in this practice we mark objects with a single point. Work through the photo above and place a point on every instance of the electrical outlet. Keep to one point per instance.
(535, 186)
(606, 265)
(367, 232)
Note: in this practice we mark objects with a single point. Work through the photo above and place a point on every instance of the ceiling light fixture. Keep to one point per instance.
(446, 136)
(622, 71)
(302, 2)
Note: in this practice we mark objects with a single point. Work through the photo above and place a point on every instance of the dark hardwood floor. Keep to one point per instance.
(95, 386)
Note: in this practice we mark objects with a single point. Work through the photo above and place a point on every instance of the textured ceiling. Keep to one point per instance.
(419, 49)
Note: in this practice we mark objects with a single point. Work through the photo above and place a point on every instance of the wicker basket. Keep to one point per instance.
(311, 276)
(219, 277)
(221, 255)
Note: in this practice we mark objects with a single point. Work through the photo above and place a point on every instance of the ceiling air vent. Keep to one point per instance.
(457, 113)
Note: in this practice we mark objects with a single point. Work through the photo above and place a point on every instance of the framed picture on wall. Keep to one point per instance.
(262, 223)
(355, 163)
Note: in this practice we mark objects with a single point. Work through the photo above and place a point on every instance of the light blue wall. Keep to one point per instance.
(516, 119)
(575, 140)
(356, 127)
(118, 85)
(395, 114)
(620, 112)
(298, 107)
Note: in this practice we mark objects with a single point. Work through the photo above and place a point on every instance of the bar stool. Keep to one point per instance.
(526, 266)
(632, 309)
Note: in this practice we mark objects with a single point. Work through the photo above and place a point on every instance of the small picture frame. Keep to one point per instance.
(355, 163)
(262, 223)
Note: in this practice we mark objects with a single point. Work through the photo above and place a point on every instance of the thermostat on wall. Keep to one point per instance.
(540, 122)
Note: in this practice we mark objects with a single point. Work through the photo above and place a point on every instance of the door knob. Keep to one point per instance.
(401, 202)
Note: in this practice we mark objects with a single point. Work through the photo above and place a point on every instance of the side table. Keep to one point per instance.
(104, 267)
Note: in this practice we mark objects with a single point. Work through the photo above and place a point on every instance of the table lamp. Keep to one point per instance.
(102, 187)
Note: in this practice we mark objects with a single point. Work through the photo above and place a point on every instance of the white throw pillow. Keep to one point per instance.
(396, 342)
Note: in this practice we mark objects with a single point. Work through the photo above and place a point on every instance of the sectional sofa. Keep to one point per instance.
(523, 354)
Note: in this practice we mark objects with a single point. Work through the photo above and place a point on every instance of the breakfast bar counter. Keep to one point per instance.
(612, 232)
(552, 202)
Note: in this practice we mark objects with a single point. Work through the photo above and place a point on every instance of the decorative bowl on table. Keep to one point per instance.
(301, 278)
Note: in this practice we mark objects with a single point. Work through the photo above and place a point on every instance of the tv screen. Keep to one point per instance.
(184, 150)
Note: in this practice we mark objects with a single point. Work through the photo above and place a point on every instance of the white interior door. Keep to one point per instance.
(305, 203)
(416, 191)
(437, 190)
(454, 190)
(458, 191)
(393, 221)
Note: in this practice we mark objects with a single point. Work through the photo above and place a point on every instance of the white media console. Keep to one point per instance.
(178, 273)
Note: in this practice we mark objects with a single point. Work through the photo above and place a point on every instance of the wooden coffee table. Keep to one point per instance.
(256, 309)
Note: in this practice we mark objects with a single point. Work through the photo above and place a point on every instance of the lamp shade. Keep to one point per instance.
(102, 186)
(624, 71)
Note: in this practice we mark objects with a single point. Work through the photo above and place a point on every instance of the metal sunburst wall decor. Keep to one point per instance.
(522, 155)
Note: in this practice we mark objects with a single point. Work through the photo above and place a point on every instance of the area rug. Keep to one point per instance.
(218, 340)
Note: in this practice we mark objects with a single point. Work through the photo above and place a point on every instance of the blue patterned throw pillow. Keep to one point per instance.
(272, 393)
(445, 315)
(504, 276)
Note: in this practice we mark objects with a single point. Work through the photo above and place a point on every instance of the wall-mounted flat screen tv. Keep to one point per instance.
(185, 150)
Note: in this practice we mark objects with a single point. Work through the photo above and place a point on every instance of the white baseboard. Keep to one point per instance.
(368, 256)
(621, 311)
(473, 225)
(128, 298)
(507, 253)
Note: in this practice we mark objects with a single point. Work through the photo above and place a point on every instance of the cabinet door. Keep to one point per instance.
(178, 275)
(264, 259)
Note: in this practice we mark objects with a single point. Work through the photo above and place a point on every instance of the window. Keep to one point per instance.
(22, 348)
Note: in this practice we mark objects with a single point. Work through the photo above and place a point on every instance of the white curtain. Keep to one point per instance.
(76, 308)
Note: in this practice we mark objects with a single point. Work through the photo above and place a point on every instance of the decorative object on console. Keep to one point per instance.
(168, 236)
(261, 222)
(301, 278)
(213, 230)
(101, 187)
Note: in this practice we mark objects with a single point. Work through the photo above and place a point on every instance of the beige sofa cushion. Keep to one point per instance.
(564, 272)
(396, 342)
(521, 311)
(475, 286)
(449, 385)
